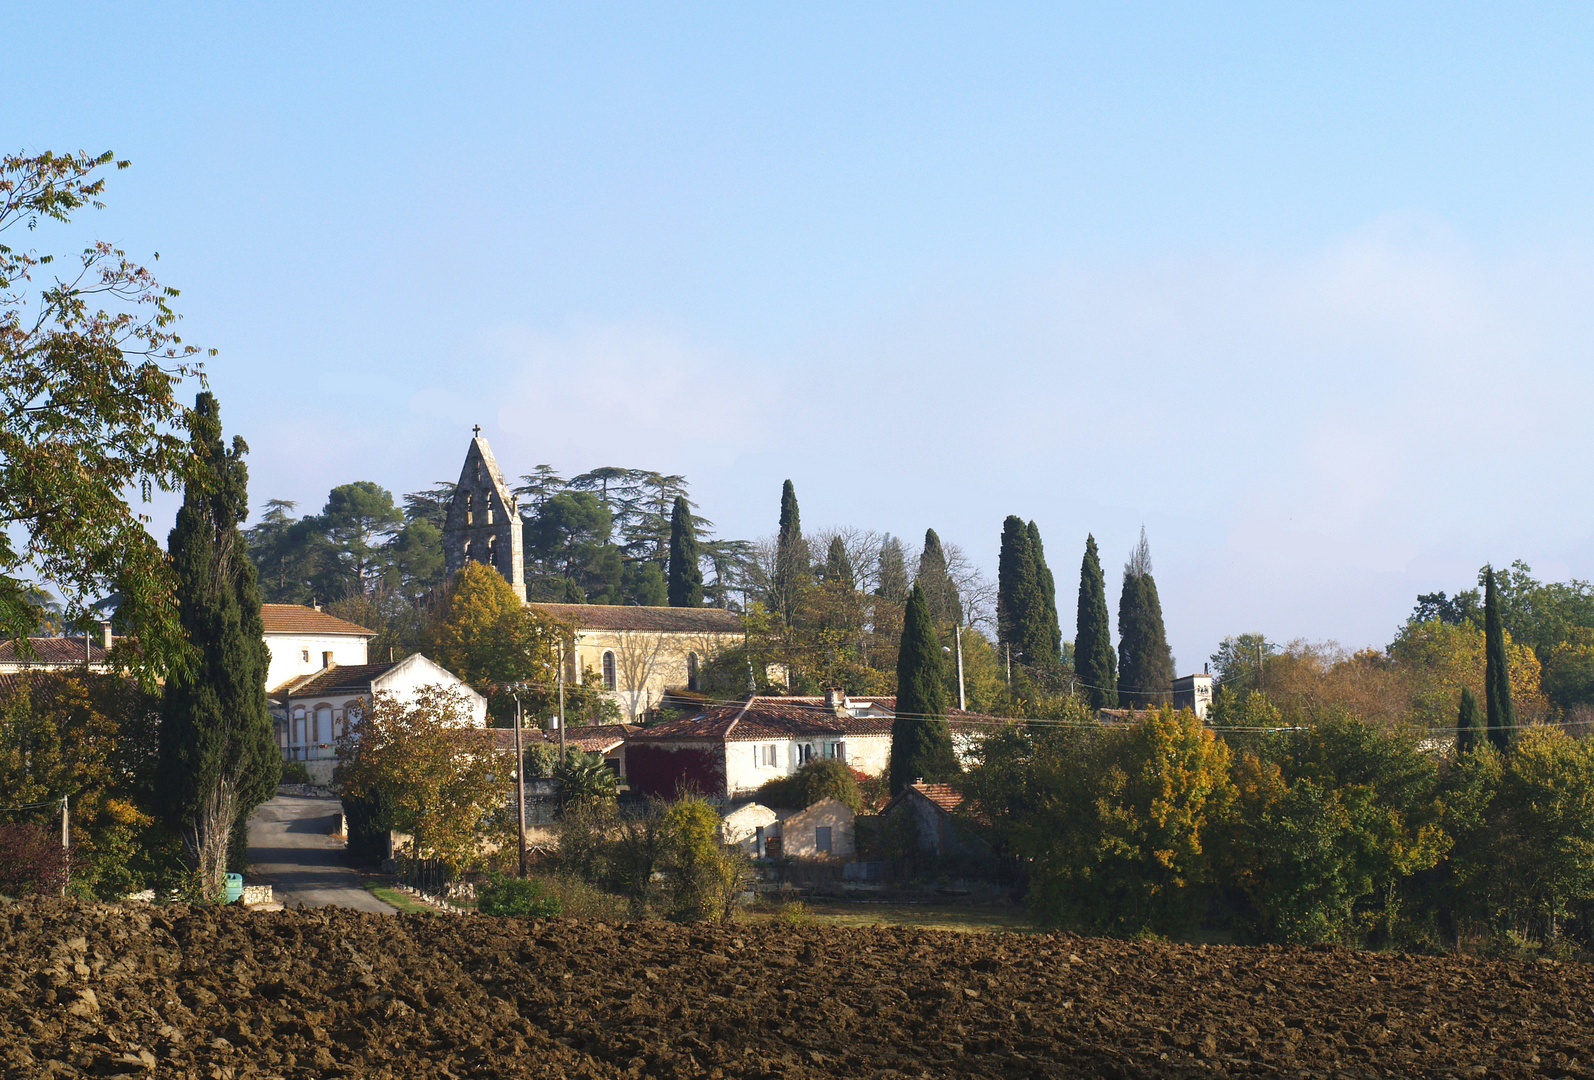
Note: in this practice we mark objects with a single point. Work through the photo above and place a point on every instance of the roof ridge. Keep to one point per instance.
(738, 717)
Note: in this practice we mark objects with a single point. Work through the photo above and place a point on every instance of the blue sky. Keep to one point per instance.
(1302, 288)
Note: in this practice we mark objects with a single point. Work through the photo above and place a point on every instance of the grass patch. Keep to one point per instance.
(963, 918)
(401, 900)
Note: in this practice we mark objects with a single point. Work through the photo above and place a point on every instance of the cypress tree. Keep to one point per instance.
(1017, 591)
(939, 592)
(1145, 663)
(921, 741)
(1094, 660)
(1500, 711)
(792, 569)
(218, 755)
(893, 571)
(1469, 725)
(1044, 640)
(838, 567)
(686, 571)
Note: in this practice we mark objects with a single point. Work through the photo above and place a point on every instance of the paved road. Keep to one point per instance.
(291, 846)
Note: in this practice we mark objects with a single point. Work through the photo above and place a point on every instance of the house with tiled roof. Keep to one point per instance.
(88, 652)
(638, 653)
(606, 740)
(734, 749)
(303, 640)
(931, 806)
(313, 712)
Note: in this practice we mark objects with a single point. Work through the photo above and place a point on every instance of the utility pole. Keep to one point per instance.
(561, 704)
(957, 639)
(1009, 650)
(66, 843)
(520, 788)
(1259, 672)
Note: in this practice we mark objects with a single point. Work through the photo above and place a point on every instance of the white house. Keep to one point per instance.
(310, 712)
(304, 640)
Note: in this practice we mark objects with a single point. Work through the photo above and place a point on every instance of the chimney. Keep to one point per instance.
(835, 700)
(105, 633)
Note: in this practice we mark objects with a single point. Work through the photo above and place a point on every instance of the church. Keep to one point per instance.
(637, 653)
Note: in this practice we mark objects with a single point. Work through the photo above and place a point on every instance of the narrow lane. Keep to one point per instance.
(291, 846)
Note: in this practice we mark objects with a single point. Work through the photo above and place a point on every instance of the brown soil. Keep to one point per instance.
(178, 992)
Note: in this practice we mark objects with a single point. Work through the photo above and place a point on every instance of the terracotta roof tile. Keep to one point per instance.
(943, 795)
(588, 738)
(766, 718)
(337, 679)
(51, 651)
(299, 619)
(656, 619)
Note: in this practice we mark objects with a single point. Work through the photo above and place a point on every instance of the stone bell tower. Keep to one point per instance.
(483, 520)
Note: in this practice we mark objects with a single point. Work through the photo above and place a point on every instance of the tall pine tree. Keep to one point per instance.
(1499, 709)
(1018, 594)
(921, 741)
(218, 756)
(939, 591)
(686, 570)
(1469, 725)
(893, 580)
(1145, 663)
(1094, 660)
(838, 567)
(1044, 641)
(792, 560)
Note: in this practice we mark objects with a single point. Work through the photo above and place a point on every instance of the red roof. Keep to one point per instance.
(942, 795)
(656, 619)
(766, 718)
(52, 651)
(588, 738)
(299, 619)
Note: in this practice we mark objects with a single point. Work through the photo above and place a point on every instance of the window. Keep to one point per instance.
(297, 735)
(326, 659)
(691, 672)
(609, 680)
(836, 751)
(805, 753)
(770, 755)
(304, 656)
(822, 838)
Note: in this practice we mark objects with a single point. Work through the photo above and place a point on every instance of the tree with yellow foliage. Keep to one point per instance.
(1440, 659)
(485, 635)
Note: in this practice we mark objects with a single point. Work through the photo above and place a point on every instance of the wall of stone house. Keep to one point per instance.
(798, 835)
(288, 660)
(660, 658)
(661, 770)
(741, 826)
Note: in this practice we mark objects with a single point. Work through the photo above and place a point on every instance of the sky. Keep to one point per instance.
(1303, 290)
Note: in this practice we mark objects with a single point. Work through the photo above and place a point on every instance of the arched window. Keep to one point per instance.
(610, 682)
(492, 550)
(297, 735)
(470, 508)
(321, 726)
(691, 672)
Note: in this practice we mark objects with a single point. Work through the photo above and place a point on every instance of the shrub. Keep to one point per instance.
(518, 896)
(814, 781)
(705, 876)
(294, 772)
(32, 861)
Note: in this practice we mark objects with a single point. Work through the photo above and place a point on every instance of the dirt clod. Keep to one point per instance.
(228, 994)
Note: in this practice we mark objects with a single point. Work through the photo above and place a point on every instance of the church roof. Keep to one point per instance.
(656, 619)
(299, 619)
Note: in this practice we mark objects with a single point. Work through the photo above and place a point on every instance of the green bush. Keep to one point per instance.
(814, 781)
(518, 896)
(294, 772)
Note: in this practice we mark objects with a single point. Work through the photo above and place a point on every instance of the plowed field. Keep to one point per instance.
(174, 992)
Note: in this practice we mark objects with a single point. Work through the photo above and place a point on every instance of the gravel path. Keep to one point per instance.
(291, 846)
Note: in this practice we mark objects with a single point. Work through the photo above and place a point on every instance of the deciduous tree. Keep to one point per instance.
(89, 368)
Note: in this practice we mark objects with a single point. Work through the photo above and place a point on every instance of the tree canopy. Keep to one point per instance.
(90, 364)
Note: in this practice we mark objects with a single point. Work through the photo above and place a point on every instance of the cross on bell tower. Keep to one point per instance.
(477, 431)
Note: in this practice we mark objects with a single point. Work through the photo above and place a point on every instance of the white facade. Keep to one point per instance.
(293, 655)
(315, 716)
(750, 765)
(1193, 692)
